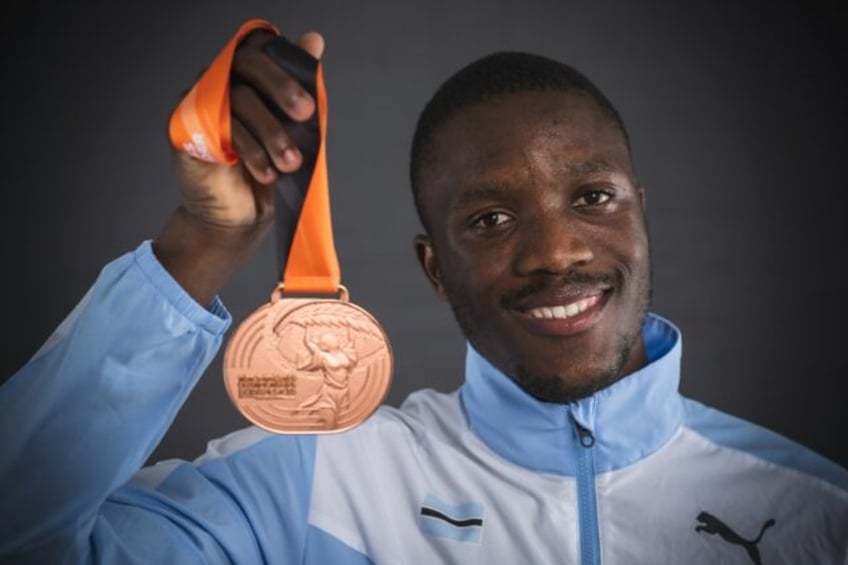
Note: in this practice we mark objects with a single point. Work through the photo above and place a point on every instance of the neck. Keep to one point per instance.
(629, 419)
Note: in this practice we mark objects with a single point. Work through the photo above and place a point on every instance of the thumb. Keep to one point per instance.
(313, 43)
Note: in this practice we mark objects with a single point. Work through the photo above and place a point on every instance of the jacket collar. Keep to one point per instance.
(629, 420)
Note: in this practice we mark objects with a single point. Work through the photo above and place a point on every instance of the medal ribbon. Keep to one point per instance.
(200, 126)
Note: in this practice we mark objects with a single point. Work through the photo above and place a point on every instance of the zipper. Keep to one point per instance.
(590, 545)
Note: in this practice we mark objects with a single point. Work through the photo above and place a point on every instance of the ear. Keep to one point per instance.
(642, 197)
(427, 258)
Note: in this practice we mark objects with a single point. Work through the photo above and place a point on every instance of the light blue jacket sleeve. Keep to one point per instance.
(80, 419)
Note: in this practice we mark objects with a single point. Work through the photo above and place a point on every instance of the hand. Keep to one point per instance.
(226, 210)
(239, 196)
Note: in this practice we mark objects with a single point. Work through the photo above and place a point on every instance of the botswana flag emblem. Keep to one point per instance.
(462, 522)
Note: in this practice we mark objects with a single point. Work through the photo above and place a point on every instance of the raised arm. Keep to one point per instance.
(81, 418)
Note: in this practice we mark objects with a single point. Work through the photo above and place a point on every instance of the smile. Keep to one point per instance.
(562, 312)
(563, 317)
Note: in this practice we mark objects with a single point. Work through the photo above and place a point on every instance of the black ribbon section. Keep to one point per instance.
(290, 189)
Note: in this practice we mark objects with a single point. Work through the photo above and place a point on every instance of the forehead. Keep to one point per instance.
(520, 134)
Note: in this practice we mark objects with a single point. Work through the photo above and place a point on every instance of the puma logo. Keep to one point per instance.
(712, 525)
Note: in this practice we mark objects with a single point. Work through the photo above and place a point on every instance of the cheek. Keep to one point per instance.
(627, 244)
(476, 271)
(633, 258)
(639, 252)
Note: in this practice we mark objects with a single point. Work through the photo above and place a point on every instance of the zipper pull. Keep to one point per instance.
(587, 439)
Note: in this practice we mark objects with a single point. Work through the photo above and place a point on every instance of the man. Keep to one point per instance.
(568, 442)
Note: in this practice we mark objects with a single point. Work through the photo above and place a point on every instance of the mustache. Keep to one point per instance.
(552, 283)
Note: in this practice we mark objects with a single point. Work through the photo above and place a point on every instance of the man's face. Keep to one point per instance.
(538, 240)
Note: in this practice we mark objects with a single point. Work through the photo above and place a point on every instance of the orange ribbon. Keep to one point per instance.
(200, 126)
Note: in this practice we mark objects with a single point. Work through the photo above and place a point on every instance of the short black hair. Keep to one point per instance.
(504, 72)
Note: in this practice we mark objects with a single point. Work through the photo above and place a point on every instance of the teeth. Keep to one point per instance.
(562, 312)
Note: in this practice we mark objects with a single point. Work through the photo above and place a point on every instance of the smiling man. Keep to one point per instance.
(567, 443)
(538, 237)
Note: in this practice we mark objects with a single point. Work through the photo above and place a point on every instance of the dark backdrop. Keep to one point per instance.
(736, 111)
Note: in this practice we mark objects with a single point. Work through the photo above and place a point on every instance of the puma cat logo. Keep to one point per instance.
(712, 525)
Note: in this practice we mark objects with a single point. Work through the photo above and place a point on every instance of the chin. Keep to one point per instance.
(563, 389)
(580, 379)
(549, 370)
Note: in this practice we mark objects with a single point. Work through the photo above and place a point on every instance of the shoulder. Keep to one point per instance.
(425, 416)
(727, 432)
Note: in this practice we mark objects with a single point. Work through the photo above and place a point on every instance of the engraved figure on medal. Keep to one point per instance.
(336, 361)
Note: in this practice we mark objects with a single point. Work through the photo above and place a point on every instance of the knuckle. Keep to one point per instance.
(278, 140)
(287, 91)
(256, 157)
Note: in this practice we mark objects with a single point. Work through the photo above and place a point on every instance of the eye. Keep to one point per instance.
(593, 198)
(490, 220)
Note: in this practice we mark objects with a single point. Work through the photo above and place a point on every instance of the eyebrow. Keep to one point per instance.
(589, 167)
(479, 192)
(493, 191)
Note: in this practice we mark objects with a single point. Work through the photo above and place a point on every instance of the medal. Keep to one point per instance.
(309, 361)
(304, 365)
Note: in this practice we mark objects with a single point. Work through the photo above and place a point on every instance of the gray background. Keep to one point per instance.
(736, 111)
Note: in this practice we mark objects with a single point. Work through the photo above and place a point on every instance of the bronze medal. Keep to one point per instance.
(303, 365)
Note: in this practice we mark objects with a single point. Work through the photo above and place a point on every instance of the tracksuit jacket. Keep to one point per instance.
(487, 474)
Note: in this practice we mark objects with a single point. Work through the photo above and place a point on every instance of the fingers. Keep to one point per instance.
(260, 88)
(249, 108)
(252, 153)
(256, 68)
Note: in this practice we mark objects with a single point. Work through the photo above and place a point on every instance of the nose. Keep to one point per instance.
(553, 244)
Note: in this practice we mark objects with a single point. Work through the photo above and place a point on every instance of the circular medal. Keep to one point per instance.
(305, 365)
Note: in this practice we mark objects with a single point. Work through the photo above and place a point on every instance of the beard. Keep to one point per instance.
(556, 389)
(552, 386)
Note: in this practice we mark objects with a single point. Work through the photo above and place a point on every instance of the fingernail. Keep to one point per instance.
(290, 156)
(299, 103)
